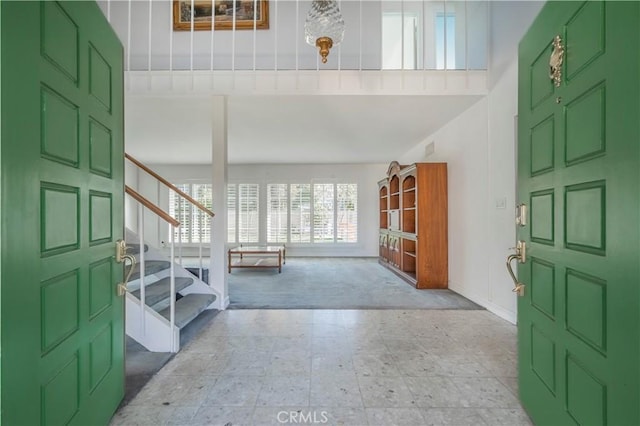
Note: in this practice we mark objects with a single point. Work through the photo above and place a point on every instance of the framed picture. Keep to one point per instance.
(221, 13)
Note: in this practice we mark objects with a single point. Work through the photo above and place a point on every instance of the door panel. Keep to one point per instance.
(62, 211)
(578, 170)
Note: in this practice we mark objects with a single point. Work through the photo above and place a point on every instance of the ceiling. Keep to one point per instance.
(287, 129)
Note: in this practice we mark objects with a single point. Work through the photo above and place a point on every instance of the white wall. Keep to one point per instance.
(479, 146)
(463, 144)
(508, 20)
(365, 175)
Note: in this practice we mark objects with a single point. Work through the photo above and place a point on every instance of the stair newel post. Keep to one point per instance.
(141, 260)
(172, 309)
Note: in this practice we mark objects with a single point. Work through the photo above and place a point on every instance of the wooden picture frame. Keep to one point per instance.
(223, 14)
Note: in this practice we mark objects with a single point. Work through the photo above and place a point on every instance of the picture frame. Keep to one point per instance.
(222, 12)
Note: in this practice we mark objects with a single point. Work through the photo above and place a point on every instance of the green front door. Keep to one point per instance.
(62, 353)
(579, 174)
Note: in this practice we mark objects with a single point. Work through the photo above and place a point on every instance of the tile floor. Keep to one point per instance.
(338, 367)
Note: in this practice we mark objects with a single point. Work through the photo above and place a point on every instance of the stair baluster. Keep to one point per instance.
(141, 260)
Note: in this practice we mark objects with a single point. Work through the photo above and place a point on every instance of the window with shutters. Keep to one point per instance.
(299, 213)
(300, 229)
(347, 213)
(195, 225)
(323, 213)
(248, 210)
(277, 212)
(243, 202)
(232, 212)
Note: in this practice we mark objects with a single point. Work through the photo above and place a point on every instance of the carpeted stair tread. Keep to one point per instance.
(135, 248)
(189, 307)
(161, 289)
(196, 272)
(150, 267)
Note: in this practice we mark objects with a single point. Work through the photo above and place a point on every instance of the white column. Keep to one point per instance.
(218, 262)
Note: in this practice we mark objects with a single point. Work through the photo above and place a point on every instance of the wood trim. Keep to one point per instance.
(148, 204)
(169, 184)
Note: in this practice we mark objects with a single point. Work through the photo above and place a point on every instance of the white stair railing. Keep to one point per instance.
(144, 203)
(202, 214)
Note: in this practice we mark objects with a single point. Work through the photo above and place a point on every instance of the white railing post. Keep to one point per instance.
(142, 267)
(172, 309)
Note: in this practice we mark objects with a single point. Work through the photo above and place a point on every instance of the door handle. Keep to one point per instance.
(122, 257)
(521, 257)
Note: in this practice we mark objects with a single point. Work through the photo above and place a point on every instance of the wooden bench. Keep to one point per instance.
(257, 257)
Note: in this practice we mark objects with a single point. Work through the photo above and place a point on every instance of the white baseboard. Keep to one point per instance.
(503, 313)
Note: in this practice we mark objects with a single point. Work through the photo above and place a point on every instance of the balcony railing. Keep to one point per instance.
(402, 35)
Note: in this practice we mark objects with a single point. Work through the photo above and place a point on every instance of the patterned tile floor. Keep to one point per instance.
(338, 367)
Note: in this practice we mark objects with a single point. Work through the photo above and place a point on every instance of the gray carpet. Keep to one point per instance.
(334, 283)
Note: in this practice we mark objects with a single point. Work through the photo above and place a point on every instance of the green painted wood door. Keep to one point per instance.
(578, 171)
(62, 211)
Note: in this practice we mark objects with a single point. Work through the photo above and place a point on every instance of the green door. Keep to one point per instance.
(578, 172)
(62, 352)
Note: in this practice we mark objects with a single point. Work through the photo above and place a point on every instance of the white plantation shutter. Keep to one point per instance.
(323, 211)
(189, 216)
(180, 210)
(347, 213)
(248, 213)
(294, 213)
(201, 222)
(300, 230)
(232, 209)
(277, 210)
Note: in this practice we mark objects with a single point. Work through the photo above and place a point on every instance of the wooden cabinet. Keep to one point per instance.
(413, 223)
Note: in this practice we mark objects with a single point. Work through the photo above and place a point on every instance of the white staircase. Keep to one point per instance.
(162, 297)
(152, 326)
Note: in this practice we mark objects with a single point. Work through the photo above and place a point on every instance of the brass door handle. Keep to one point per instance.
(122, 287)
(520, 256)
(122, 257)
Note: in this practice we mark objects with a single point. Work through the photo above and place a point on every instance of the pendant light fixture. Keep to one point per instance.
(324, 27)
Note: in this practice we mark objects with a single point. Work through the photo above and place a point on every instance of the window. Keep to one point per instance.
(300, 228)
(445, 40)
(277, 214)
(248, 204)
(243, 210)
(347, 213)
(300, 213)
(195, 225)
(323, 211)
(232, 210)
